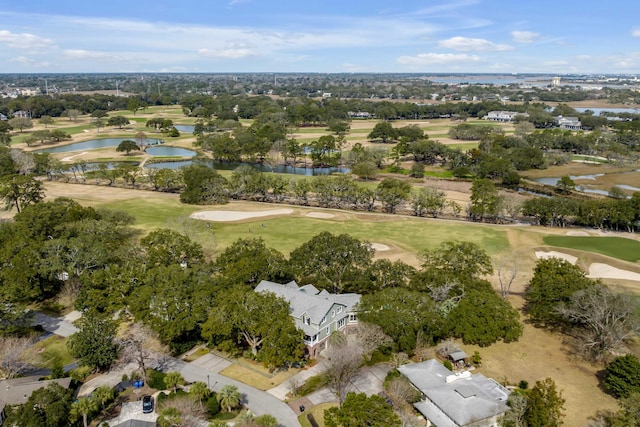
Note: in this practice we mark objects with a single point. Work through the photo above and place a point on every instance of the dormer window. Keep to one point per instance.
(333, 313)
(306, 320)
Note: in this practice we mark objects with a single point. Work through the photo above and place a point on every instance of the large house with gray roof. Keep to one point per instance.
(317, 313)
(456, 399)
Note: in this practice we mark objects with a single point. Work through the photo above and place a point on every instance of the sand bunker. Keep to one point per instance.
(605, 271)
(553, 254)
(577, 233)
(320, 215)
(380, 247)
(226, 216)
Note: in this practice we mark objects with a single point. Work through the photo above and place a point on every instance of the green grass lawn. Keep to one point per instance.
(44, 353)
(616, 247)
(318, 414)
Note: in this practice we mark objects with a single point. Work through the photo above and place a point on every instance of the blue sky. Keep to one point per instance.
(542, 36)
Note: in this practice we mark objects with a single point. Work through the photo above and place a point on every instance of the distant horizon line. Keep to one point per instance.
(323, 73)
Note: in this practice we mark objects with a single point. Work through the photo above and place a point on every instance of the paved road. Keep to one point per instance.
(58, 326)
(259, 402)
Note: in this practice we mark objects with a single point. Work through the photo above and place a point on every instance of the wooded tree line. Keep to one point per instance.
(165, 281)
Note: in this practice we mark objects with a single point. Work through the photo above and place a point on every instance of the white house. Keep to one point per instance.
(503, 116)
(317, 313)
(456, 400)
(569, 123)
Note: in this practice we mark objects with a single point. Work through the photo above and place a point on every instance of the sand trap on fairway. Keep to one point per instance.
(380, 247)
(553, 254)
(320, 215)
(605, 271)
(577, 233)
(225, 216)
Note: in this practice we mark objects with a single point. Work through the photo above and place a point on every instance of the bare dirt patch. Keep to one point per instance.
(226, 216)
(577, 233)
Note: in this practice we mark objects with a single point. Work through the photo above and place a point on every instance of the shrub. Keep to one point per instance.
(80, 374)
(155, 379)
(623, 375)
(448, 365)
(312, 384)
(213, 407)
(523, 385)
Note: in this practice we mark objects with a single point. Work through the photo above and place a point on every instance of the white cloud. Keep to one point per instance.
(95, 55)
(23, 41)
(438, 59)
(466, 44)
(636, 32)
(229, 53)
(524, 36)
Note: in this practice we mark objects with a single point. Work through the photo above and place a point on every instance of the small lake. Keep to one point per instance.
(170, 151)
(263, 168)
(92, 144)
(598, 111)
(185, 128)
(552, 181)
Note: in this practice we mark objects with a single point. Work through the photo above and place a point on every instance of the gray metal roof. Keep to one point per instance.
(16, 391)
(308, 300)
(455, 400)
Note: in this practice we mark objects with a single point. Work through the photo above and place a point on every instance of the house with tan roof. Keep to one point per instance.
(317, 313)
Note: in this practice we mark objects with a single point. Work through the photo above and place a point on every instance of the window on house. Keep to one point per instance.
(333, 313)
(353, 317)
(324, 319)
(307, 320)
(339, 310)
(342, 322)
(328, 330)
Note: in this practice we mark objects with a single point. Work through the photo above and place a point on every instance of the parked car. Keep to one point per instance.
(147, 404)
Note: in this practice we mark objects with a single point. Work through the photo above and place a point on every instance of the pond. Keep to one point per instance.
(553, 181)
(262, 168)
(92, 144)
(170, 151)
(185, 128)
(598, 111)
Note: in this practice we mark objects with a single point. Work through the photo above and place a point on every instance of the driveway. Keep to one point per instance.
(259, 402)
(58, 326)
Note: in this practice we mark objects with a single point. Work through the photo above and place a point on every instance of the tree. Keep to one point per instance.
(73, 114)
(49, 406)
(127, 146)
(94, 343)
(545, 405)
(602, 320)
(200, 391)
(358, 410)
(248, 261)
(456, 262)
(82, 408)
(21, 123)
(46, 121)
(343, 361)
(328, 260)
(392, 192)
(229, 397)
(119, 121)
(365, 170)
(485, 200)
(260, 318)
(11, 350)
(165, 247)
(554, 281)
(623, 375)
(136, 347)
(97, 123)
(20, 191)
(384, 131)
(103, 395)
(566, 185)
(203, 185)
(173, 379)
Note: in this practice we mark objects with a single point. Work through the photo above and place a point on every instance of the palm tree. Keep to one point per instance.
(103, 394)
(83, 407)
(173, 379)
(170, 417)
(229, 397)
(200, 391)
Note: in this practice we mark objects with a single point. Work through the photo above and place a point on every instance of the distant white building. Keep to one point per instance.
(456, 400)
(569, 123)
(503, 116)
